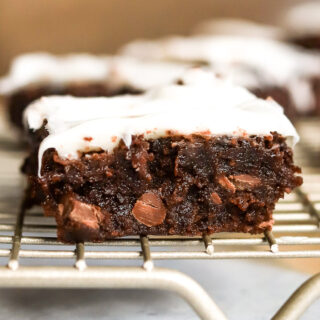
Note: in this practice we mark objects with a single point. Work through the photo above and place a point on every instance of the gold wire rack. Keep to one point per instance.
(28, 235)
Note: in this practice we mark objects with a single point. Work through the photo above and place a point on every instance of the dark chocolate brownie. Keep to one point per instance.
(266, 67)
(280, 95)
(308, 42)
(35, 75)
(175, 185)
(316, 89)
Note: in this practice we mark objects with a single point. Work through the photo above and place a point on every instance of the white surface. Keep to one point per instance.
(244, 290)
(247, 61)
(204, 104)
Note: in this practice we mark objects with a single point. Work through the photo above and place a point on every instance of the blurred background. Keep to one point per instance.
(102, 26)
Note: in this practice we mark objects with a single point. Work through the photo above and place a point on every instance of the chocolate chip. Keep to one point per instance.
(79, 212)
(140, 158)
(149, 210)
(227, 184)
(215, 198)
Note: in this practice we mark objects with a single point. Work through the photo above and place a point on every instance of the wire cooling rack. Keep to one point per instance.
(29, 251)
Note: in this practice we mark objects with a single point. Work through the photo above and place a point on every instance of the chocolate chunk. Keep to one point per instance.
(140, 157)
(149, 210)
(245, 181)
(227, 184)
(215, 198)
(79, 212)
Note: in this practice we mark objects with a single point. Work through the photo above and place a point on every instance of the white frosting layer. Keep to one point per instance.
(303, 19)
(240, 27)
(204, 104)
(247, 61)
(53, 70)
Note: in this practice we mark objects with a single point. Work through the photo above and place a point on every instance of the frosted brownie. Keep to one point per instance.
(302, 24)
(264, 66)
(199, 156)
(39, 74)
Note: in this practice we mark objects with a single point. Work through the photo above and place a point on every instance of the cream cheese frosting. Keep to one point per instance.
(248, 61)
(44, 68)
(203, 104)
(302, 19)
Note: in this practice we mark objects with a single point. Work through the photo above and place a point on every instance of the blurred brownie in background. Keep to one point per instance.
(302, 24)
(266, 67)
(194, 157)
(238, 27)
(40, 74)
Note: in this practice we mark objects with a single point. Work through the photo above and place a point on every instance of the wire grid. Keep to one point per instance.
(297, 223)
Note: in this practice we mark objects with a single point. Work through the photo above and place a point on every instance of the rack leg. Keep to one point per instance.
(300, 300)
(115, 278)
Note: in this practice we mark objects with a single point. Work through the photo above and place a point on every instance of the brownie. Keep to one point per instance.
(196, 157)
(302, 24)
(308, 42)
(279, 94)
(265, 66)
(316, 89)
(35, 75)
(185, 185)
(18, 101)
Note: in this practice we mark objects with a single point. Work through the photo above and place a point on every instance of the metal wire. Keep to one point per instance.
(300, 300)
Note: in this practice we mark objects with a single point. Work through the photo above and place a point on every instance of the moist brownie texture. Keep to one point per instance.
(169, 186)
(264, 66)
(39, 74)
(197, 157)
